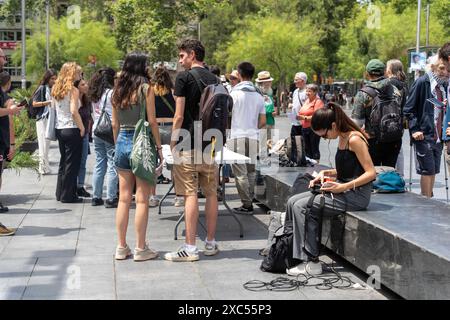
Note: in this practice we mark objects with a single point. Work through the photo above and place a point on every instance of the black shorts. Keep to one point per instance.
(428, 157)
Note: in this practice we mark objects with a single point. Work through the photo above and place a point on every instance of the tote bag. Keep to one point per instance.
(143, 154)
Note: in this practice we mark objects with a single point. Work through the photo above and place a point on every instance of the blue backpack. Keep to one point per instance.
(389, 182)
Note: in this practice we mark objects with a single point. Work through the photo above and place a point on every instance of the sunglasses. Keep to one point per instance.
(233, 78)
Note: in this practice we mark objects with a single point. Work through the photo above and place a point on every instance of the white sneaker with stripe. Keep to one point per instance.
(182, 255)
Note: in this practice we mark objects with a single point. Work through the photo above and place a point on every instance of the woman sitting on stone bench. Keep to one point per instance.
(350, 189)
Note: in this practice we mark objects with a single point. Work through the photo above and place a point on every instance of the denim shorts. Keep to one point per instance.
(428, 157)
(124, 145)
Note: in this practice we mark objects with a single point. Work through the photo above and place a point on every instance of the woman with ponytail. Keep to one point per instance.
(348, 187)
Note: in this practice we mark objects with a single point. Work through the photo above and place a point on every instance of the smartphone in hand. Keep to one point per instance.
(22, 103)
(436, 102)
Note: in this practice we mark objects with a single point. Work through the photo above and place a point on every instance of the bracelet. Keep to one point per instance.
(354, 185)
(158, 148)
(12, 144)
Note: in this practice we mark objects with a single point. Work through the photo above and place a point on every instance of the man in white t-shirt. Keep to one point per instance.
(249, 115)
(298, 99)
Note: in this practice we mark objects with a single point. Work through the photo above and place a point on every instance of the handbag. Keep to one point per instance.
(143, 159)
(104, 129)
(50, 130)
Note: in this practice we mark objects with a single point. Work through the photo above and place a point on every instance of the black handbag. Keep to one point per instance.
(104, 129)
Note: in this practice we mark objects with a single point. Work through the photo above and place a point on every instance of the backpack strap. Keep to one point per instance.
(372, 92)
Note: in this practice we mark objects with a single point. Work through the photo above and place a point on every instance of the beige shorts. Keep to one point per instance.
(189, 175)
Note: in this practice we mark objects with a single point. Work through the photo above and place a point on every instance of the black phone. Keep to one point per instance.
(23, 103)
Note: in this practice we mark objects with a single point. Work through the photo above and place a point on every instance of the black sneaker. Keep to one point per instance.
(76, 200)
(81, 192)
(97, 202)
(111, 203)
(3, 209)
(243, 210)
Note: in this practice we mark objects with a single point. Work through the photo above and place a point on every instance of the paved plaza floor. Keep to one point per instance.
(65, 251)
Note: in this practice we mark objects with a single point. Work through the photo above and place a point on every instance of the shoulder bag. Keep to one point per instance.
(104, 129)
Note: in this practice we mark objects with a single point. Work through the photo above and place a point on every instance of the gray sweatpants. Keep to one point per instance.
(353, 200)
(245, 174)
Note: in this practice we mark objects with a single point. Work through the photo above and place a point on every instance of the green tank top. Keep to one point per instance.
(129, 117)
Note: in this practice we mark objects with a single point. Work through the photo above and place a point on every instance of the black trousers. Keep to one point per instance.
(295, 131)
(312, 142)
(384, 154)
(70, 147)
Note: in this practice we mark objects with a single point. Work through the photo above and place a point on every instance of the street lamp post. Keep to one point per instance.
(419, 6)
(48, 35)
(24, 80)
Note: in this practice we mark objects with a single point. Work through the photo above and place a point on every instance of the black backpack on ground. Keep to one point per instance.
(386, 115)
(215, 105)
(280, 254)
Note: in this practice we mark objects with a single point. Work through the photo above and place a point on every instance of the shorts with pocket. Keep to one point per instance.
(124, 145)
(189, 175)
(428, 157)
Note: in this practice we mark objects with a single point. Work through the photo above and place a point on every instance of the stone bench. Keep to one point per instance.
(406, 235)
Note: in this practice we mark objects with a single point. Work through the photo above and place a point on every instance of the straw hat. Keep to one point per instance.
(264, 76)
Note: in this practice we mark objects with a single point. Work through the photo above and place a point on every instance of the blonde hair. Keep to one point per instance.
(66, 78)
(160, 90)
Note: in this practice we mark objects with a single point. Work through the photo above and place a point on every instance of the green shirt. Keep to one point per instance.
(268, 100)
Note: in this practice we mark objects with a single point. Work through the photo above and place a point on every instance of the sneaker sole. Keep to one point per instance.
(211, 253)
(13, 231)
(185, 259)
(145, 258)
(122, 257)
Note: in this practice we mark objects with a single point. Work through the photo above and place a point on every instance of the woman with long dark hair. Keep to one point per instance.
(69, 131)
(349, 187)
(100, 93)
(85, 113)
(41, 100)
(165, 111)
(132, 93)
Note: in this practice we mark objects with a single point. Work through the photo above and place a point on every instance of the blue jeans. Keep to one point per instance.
(84, 155)
(104, 163)
(124, 145)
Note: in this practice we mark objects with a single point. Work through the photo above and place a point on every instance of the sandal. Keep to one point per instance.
(163, 180)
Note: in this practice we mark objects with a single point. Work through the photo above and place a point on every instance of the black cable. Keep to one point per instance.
(330, 280)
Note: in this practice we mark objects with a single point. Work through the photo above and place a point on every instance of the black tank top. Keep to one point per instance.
(162, 107)
(347, 164)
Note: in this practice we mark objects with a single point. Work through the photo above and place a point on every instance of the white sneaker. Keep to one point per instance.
(178, 202)
(182, 255)
(306, 268)
(153, 202)
(122, 253)
(144, 254)
(211, 248)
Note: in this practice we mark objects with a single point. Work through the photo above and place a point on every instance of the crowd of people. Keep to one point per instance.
(82, 109)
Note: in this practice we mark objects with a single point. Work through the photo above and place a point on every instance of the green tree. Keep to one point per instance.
(277, 45)
(154, 26)
(66, 44)
(396, 33)
(329, 17)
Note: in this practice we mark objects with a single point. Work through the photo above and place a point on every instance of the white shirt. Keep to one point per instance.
(64, 118)
(298, 99)
(97, 107)
(247, 106)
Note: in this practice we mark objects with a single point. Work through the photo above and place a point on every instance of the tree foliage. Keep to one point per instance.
(66, 44)
(277, 45)
(154, 26)
(396, 33)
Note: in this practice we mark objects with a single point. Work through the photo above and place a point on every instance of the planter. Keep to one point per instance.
(29, 146)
